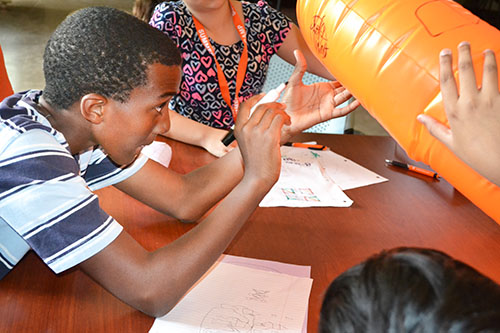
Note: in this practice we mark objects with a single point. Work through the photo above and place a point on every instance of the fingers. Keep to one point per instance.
(436, 129)
(277, 123)
(339, 90)
(265, 114)
(466, 74)
(266, 122)
(335, 84)
(299, 70)
(342, 97)
(447, 80)
(245, 107)
(490, 73)
(339, 112)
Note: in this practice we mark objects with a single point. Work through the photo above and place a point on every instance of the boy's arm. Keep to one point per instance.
(189, 131)
(154, 282)
(185, 197)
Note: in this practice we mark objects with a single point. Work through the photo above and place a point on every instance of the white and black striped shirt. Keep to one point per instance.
(46, 199)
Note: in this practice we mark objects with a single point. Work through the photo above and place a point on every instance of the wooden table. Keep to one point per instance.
(409, 210)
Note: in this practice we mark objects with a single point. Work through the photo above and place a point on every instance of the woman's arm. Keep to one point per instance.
(189, 131)
(293, 41)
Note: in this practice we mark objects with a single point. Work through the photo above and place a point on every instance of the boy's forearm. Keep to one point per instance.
(211, 237)
(209, 184)
(186, 197)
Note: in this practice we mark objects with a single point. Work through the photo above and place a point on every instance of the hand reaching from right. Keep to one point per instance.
(473, 114)
(259, 139)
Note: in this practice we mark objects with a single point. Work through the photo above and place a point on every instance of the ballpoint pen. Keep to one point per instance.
(271, 96)
(413, 168)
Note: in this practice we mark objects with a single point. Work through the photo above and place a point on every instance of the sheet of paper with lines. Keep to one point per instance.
(233, 298)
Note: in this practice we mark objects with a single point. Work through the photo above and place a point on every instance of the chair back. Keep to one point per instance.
(5, 87)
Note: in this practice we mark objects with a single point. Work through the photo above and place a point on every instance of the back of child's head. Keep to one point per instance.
(105, 51)
(411, 290)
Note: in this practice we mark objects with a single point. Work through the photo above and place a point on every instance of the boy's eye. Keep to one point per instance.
(160, 107)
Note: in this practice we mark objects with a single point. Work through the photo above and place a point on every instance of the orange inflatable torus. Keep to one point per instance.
(386, 52)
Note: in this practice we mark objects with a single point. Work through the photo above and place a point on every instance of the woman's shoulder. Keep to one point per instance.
(170, 17)
(171, 6)
(254, 7)
(261, 11)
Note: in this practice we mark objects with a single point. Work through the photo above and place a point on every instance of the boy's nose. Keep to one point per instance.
(163, 124)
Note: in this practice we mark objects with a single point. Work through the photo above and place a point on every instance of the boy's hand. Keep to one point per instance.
(473, 114)
(309, 105)
(259, 138)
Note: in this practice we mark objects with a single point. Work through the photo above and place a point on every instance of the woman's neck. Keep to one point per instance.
(218, 21)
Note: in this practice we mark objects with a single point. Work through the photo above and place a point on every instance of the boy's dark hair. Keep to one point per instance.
(102, 50)
(411, 290)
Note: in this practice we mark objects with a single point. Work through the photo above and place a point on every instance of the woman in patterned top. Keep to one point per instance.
(228, 53)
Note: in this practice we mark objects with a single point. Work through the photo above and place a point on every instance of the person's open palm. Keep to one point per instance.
(308, 105)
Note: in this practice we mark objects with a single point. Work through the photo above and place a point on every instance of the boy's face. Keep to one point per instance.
(134, 124)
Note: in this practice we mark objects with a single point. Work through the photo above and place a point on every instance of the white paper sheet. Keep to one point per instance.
(233, 298)
(273, 266)
(303, 183)
(342, 171)
(267, 265)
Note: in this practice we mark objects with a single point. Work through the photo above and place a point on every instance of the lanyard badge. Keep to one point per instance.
(242, 67)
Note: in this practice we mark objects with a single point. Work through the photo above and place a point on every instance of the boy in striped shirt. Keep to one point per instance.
(109, 78)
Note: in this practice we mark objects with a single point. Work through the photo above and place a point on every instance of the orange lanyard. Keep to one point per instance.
(242, 67)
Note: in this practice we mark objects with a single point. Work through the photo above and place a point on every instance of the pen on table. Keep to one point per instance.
(271, 96)
(306, 145)
(413, 168)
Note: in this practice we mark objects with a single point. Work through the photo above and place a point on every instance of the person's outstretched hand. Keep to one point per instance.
(309, 105)
(473, 113)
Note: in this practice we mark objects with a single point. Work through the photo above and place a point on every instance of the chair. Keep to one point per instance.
(5, 87)
(279, 71)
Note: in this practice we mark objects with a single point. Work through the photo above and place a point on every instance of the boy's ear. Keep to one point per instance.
(92, 107)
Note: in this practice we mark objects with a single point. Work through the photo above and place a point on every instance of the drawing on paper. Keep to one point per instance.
(238, 318)
(300, 194)
(295, 161)
(258, 295)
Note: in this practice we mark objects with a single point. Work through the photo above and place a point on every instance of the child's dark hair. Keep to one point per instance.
(143, 9)
(411, 290)
(102, 50)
